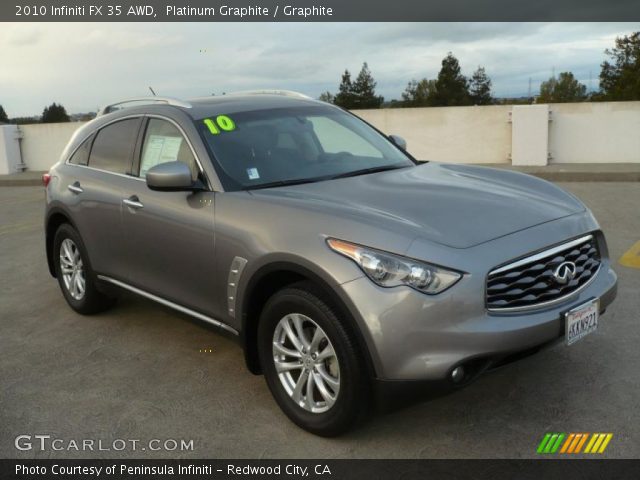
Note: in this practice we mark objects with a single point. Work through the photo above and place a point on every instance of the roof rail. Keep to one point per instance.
(148, 100)
(284, 93)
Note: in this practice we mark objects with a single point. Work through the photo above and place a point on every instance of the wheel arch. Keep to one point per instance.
(271, 278)
(55, 218)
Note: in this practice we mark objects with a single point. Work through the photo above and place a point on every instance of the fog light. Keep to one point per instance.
(458, 374)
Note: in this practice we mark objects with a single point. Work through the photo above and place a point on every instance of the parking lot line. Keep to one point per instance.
(631, 258)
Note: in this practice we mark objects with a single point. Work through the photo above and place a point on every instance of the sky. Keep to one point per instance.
(85, 65)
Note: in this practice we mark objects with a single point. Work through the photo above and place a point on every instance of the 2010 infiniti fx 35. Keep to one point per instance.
(342, 266)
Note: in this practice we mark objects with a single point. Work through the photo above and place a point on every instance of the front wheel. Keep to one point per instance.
(311, 361)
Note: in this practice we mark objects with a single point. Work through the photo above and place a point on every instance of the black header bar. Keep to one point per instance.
(319, 11)
(320, 469)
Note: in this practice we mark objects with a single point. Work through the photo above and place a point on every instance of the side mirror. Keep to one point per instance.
(398, 141)
(171, 177)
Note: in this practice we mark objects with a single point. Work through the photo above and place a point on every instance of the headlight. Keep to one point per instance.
(388, 270)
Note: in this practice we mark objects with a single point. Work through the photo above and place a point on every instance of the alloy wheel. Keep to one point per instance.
(306, 363)
(72, 269)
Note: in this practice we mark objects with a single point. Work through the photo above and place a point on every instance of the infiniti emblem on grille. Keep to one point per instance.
(564, 272)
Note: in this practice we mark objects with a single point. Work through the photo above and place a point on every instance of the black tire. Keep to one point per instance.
(352, 402)
(93, 300)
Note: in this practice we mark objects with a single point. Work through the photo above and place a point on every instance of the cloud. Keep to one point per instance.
(453, 33)
(123, 40)
(21, 35)
(86, 65)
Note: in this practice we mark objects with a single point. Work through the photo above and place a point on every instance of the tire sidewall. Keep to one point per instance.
(345, 410)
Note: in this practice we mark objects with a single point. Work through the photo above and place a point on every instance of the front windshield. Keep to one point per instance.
(261, 148)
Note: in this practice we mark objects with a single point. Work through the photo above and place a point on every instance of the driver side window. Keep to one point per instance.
(163, 143)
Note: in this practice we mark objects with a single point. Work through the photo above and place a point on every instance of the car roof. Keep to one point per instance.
(198, 108)
(234, 103)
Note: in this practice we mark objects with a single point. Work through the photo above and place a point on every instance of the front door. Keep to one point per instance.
(169, 235)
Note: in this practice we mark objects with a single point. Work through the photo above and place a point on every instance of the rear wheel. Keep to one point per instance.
(311, 361)
(77, 281)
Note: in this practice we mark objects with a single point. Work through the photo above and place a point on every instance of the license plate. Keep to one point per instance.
(581, 321)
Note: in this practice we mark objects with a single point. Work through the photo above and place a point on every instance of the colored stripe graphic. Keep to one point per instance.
(573, 443)
(551, 442)
(598, 442)
(568, 442)
(581, 443)
(543, 443)
(591, 442)
(605, 443)
(555, 447)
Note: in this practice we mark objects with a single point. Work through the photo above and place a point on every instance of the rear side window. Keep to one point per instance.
(81, 155)
(114, 145)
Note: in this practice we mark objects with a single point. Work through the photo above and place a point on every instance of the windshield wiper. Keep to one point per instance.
(365, 171)
(300, 181)
(281, 183)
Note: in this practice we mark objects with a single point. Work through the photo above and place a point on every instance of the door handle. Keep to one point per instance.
(75, 188)
(133, 202)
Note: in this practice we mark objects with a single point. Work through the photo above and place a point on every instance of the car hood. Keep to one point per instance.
(455, 205)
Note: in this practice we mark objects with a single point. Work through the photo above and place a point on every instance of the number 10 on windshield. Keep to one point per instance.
(222, 123)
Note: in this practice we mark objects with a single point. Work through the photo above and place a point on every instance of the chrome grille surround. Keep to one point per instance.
(529, 282)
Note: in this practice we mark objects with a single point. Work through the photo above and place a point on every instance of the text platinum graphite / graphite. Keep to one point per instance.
(248, 11)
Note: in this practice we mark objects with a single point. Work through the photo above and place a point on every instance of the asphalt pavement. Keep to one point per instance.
(143, 372)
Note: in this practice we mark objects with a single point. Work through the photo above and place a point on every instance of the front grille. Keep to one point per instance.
(531, 282)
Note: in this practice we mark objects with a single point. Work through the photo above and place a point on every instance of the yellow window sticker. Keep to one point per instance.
(222, 123)
(225, 123)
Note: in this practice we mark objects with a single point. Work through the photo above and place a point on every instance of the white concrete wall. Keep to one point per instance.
(603, 132)
(9, 149)
(530, 135)
(595, 132)
(449, 134)
(43, 143)
(578, 133)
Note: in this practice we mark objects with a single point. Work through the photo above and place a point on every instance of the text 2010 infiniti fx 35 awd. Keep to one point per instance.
(341, 265)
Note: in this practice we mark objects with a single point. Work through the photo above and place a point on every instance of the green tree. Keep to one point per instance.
(24, 120)
(620, 75)
(3, 115)
(451, 86)
(480, 88)
(364, 90)
(326, 97)
(55, 113)
(345, 98)
(564, 89)
(417, 93)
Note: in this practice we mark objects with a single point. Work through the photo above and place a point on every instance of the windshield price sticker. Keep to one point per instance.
(222, 124)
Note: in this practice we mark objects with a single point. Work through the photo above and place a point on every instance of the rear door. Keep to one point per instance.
(169, 235)
(94, 184)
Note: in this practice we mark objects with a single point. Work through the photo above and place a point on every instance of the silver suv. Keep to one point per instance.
(348, 272)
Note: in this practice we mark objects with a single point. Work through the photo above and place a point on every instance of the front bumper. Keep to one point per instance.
(412, 336)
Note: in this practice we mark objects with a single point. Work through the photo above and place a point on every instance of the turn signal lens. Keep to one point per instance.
(389, 270)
